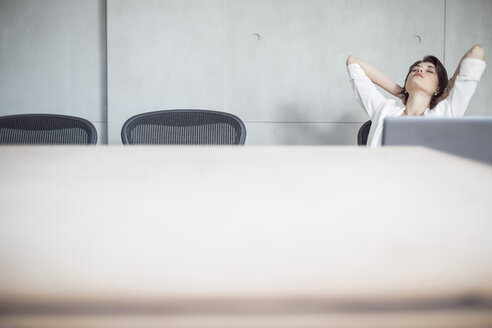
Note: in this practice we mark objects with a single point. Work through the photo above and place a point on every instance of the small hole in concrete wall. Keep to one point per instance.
(419, 38)
(258, 36)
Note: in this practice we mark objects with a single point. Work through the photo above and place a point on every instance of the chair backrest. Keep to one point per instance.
(363, 133)
(46, 129)
(184, 127)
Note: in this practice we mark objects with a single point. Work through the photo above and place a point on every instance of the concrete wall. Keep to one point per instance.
(53, 59)
(277, 64)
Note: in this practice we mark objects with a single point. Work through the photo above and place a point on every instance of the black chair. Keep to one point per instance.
(363, 133)
(184, 127)
(46, 129)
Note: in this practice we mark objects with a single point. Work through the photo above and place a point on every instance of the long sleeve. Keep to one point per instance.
(464, 87)
(365, 92)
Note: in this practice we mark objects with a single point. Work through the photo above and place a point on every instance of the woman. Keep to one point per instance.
(426, 90)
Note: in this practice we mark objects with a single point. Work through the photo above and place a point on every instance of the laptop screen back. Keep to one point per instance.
(469, 137)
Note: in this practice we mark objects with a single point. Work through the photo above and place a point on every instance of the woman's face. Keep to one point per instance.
(423, 77)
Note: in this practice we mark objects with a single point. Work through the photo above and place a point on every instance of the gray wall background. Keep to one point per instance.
(277, 64)
(53, 59)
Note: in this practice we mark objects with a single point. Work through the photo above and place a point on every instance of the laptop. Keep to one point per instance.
(469, 137)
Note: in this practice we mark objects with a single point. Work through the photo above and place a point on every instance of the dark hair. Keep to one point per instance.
(442, 76)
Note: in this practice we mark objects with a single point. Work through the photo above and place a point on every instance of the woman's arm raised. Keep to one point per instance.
(477, 52)
(377, 77)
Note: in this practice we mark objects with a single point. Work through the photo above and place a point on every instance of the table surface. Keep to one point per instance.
(242, 229)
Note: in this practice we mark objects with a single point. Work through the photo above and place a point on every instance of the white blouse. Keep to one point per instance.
(378, 107)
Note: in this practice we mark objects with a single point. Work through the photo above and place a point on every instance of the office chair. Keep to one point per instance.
(46, 129)
(184, 127)
(363, 133)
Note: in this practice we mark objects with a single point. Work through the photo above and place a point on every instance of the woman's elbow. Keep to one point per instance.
(350, 60)
(477, 51)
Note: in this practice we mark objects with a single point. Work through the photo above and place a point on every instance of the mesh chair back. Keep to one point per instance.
(184, 127)
(46, 129)
(363, 133)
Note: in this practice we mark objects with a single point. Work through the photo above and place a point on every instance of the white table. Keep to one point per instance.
(311, 233)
